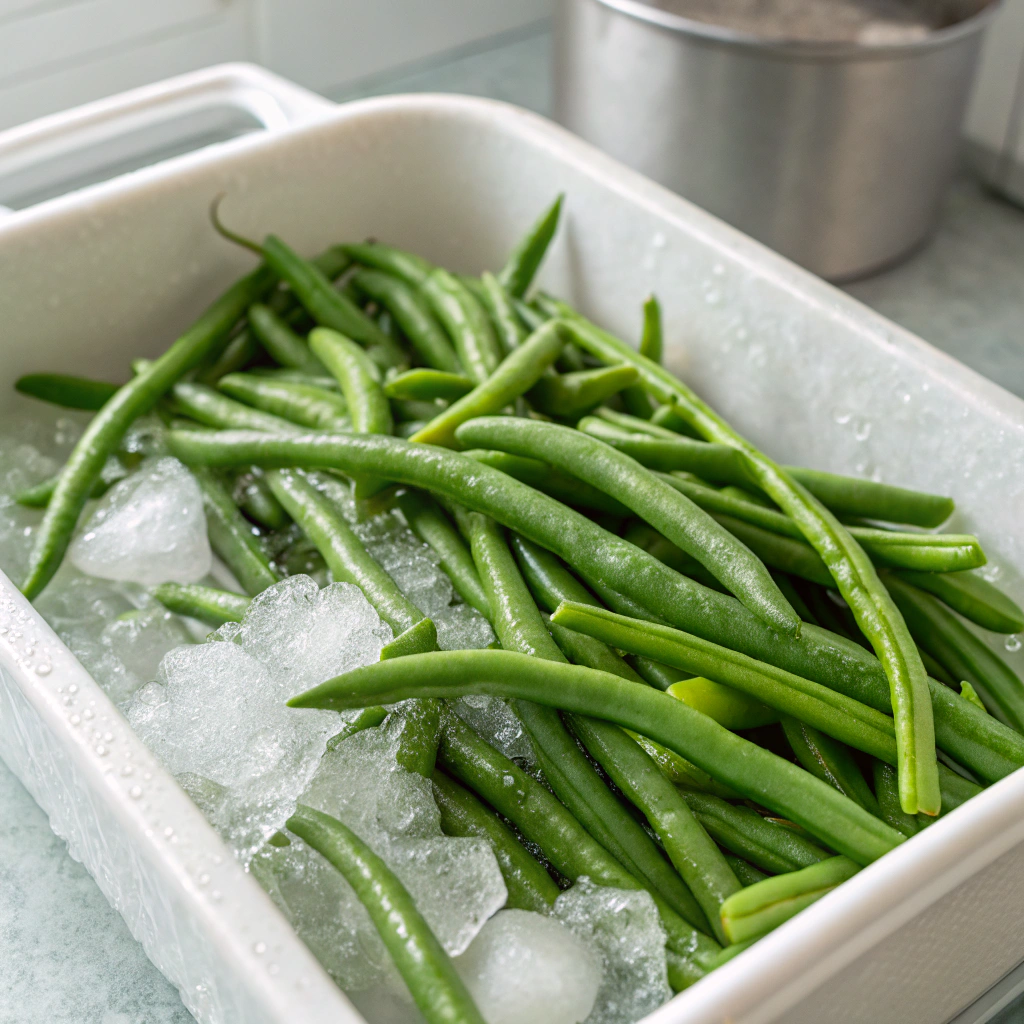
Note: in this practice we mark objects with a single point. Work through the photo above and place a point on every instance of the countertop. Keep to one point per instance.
(67, 958)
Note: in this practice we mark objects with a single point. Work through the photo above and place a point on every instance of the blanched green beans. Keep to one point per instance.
(466, 322)
(428, 385)
(523, 262)
(213, 409)
(68, 392)
(207, 604)
(282, 344)
(568, 395)
(508, 327)
(302, 404)
(972, 596)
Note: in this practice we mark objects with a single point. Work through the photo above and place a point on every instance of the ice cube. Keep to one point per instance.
(462, 628)
(137, 641)
(497, 723)
(623, 927)
(525, 968)
(149, 528)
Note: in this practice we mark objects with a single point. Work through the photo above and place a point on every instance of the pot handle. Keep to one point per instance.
(96, 141)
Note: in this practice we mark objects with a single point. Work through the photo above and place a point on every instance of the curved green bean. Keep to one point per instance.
(281, 343)
(655, 501)
(213, 409)
(104, 433)
(985, 746)
(302, 404)
(207, 604)
(529, 886)
(523, 261)
(749, 769)
(515, 375)
(67, 392)
(973, 597)
(568, 395)
(466, 322)
(428, 385)
(435, 986)
(413, 316)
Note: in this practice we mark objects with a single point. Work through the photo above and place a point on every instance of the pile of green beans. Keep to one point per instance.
(742, 681)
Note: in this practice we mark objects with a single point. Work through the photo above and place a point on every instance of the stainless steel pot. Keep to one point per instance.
(836, 155)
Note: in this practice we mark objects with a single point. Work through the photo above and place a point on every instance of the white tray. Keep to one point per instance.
(113, 271)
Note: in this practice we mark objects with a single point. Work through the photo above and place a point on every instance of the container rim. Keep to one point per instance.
(706, 32)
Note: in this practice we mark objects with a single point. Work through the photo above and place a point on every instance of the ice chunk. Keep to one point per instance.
(624, 928)
(497, 723)
(149, 528)
(217, 710)
(461, 628)
(455, 883)
(525, 968)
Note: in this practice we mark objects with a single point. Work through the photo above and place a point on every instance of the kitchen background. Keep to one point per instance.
(65, 955)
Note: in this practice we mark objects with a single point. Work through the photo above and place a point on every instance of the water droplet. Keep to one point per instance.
(135, 792)
(259, 948)
(101, 750)
(216, 895)
(842, 416)
(88, 714)
(1012, 644)
(168, 832)
(126, 770)
(906, 398)
(73, 688)
(203, 879)
(507, 780)
(991, 572)
(862, 431)
(44, 670)
(75, 719)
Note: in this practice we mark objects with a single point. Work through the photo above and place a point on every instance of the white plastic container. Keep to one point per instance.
(89, 280)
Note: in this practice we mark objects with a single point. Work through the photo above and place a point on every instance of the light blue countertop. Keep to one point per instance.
(67, 958)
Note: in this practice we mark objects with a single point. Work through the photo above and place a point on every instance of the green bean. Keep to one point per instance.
(585, 650)
(749, 769)
(968, 692)
(39, 495)
(646, 537)
(727, 706)
(207, 604)
(276, 336)
(231, 537)
(745, 833)
(253, 496)
(937, 671)
(786, 554)
(973, 597)
(745, 871)
(104, 433)
(432, 527)
(213, 409)
(407, 410)
(508, 326)
(666, 416)
(298, 403)
(855, 576)
(368, 718)
(831, 762)
(654, 673)
(562, 486)
(545, 822)
(651, 341)
(65, 391)
(568, 395)
(833, 713)
(406, 266)
(428, 385)
(759, 909)
(435, 986)
(688, 846)
(887, 792)
(466, 322)
(652, 499)
(521, 266)
(529, 886)
(412, 314)
(950, 642)
(319, 379)
(515, 375)
(634, 424)
(530, 316)
(985, 746)
(367, 405)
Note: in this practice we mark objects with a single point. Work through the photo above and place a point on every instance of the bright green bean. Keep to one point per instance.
(207, 604)
(973, 597)
(213, 409)
(985, 746)
(320, 379)
(968, 692)
(521, 266)
(515, 375)
(651, 340)
(413, 316)
(727, 706)
(231, 537)
(281, 343)
(302, 404)
(855, 576)
(887, 793)
(652, 499)
(508, 326)
(406, 266)
(744, 871)
(68, 392)
(254, 497)
(759, 909)
(466, 322)
(756, 773)
(569, 395)
(428, 385)
(104, 433)
(39, 495)
(435, 986)
(529, 886)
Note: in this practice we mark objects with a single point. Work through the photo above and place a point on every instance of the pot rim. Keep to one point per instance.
(705, 32)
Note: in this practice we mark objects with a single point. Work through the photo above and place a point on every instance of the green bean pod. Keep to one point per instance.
(727, 706)
(406, 266)
(466, 322)
(213, 409)
(569, 395)
(104, 433)
(435, 986)
(973, 597)
(692, 851)
(253, 496)
(524, 260)
(761, 908)
(655, 501)
(651, 340)
(428, 385)
(529, 886)
(887, 793)
(67, 392)
(749, 769)
(319, 379)
(515, 375)
(207, 604)
(302, 404)
(950, 642)
(508, 327)
(231, 537)
(39, 495)
(985, 746)
(276, 336)
(412, 314)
